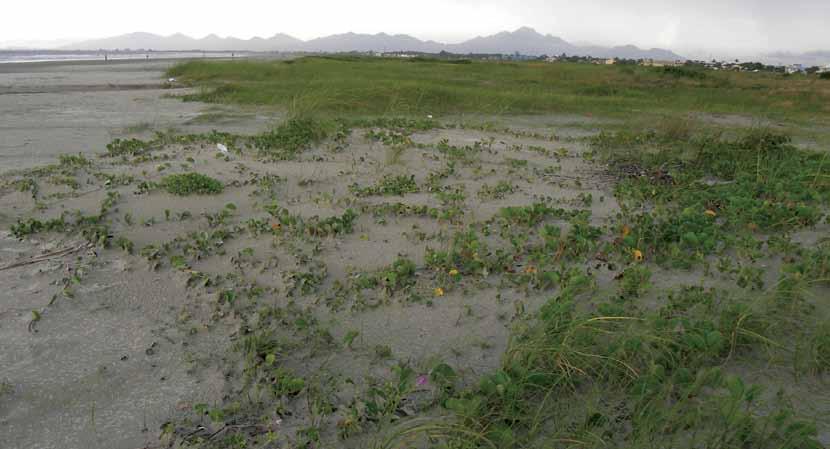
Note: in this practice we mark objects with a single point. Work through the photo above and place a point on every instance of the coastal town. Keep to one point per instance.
(714, 64)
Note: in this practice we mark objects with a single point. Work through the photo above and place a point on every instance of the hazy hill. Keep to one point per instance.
(140, 41)
(812, 58)
(524, 40)
(149, 41)
(371, 42)
(629, 52)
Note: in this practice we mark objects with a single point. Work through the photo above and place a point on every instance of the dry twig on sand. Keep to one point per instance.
(48, 256)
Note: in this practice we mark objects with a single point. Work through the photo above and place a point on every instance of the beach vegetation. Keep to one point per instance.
(191, 184)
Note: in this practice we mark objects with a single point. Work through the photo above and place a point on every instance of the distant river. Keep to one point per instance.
(18, 56)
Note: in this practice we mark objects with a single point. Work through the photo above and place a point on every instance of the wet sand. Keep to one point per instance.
(112, 368)
(53, 108)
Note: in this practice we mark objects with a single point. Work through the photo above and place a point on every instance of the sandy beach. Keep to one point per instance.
(51, 108)
(109, 368)
(299, 281)
(101, 378)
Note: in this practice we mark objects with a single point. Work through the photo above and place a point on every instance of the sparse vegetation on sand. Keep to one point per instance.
(658, 286)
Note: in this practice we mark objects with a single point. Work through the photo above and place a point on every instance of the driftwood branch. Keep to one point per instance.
(46, 257)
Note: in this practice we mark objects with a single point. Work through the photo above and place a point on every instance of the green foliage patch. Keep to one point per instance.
(191, 184)
(363, 86)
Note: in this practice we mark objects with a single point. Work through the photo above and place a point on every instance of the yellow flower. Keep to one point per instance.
(530, 269)
(710, 212)
(453, 272)
(638, 255)
(625, 231)
(439, 291)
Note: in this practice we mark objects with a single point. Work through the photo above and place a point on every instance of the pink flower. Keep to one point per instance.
(421, 380)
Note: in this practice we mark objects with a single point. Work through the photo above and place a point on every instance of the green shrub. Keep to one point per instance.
(32, 226)
(290, 138)
(634, 281)
(74, 161)
(191, 183)
(127, 147)
(684, 72)
(314, 226)
(702, 187)
(388, 185)
(660, 379)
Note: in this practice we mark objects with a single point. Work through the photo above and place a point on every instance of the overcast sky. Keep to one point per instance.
(721, 26)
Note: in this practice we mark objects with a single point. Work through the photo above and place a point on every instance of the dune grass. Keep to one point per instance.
(377, 86)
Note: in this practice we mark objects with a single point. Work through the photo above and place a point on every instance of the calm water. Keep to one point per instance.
(15, 56)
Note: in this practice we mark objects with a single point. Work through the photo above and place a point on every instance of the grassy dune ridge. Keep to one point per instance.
(372, 86)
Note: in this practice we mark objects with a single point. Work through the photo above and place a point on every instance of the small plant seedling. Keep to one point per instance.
(350, 337)
(5, 388)
(125, 244)
(383, 352)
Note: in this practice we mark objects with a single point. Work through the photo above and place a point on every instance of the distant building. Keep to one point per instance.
(659, 63)
(825, 69)
(519, 57)
(795, 68)
(610, 61)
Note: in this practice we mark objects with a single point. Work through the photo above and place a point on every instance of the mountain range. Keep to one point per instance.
(526, 41)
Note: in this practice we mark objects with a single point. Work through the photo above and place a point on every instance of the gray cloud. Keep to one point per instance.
(727, 25)
(743, 27)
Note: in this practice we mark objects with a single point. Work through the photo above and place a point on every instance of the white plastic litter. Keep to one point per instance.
(171, 80)
(429, 116)
(223, 149)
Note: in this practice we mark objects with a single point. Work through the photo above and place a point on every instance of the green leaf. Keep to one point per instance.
(270, 359)
(443, 374)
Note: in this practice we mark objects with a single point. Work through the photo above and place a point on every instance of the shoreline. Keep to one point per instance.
(57, 107)
(23, 66)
